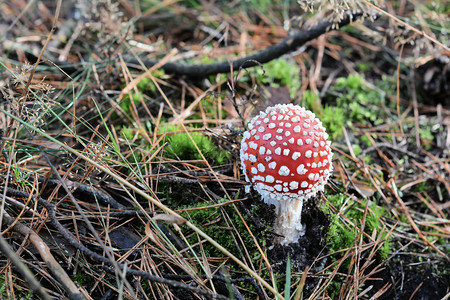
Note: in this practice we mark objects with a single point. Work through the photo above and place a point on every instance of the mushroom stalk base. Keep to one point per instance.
(288, 222)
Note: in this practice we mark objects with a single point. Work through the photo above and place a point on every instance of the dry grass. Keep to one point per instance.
(100, 200)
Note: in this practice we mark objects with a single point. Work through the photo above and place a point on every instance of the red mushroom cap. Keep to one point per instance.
(285, 153)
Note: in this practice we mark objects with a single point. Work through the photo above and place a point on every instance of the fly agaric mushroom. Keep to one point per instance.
(286, 156)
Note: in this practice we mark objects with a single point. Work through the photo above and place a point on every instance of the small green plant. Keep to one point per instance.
(331, 117)
(211, 110)
(361, 102)
(144, 86)
(180, 145)
(280, 72)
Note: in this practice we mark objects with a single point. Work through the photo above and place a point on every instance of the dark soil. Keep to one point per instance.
(412, 278)
(308, 248)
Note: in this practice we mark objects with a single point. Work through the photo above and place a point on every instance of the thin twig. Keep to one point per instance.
(54, 267)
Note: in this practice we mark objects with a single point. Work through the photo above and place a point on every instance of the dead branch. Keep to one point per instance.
(34, 285)
(288, 44)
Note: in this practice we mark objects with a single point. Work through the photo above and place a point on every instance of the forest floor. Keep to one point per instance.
(120, 126)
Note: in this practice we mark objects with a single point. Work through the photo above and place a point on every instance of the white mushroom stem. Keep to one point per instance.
(288, 221)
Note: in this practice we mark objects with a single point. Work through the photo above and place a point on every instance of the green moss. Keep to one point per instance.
(81, 278)
(179, 145)
(341, 237)
(364, 67)
(18, 291)
(127, 133)
(426, 136)
(211, 221)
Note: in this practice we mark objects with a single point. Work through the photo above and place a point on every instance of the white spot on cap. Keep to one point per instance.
(297, 129)
(261, 128)
(266, 120)
(270, 179)
(271, 125)
(267, 136)
(308, 141)
(308, 153)
(300, 142)
(280, 130)
(262, 150)
(246, 135)
(272, 165)
(258, 122)
(267, 158)
(284, 171)
(278, 187)
(256, 137)
(253, 145)
(285, 189)
(301, 169)
(291, 140)
(286, 152)
(259, 177)
(322, 143)
(261, 168)
(252, 158)
(304, 184)
(273, 143)
(296, 155)
(295, 119)
(268, 152)
(311, 176)
(278, 151)
(287, 125)
(244, 146)
(293, 185)
(254, 170)
(279, 137)
(316, 144)
(287, 133)
(306, 125)
(313, 165)
(250, 126)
